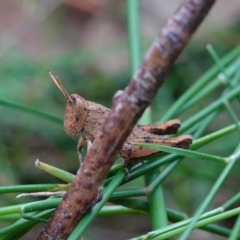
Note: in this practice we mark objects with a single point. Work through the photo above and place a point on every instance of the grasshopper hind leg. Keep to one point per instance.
(133, 153)
(169, 127)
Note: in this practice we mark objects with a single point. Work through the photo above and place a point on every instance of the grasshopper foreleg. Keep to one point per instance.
(79, 149)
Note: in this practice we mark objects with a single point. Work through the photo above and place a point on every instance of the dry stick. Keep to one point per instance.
(128, 106)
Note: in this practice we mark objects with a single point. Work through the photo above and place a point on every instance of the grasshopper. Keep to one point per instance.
(86, 117)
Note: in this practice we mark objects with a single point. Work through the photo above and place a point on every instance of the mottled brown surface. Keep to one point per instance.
(87, 118)
(75, 115)
(127, 108)
(96, 116)
(150, 134)
(169, 127)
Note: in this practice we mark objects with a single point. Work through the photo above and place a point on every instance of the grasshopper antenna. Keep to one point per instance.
(60, 86)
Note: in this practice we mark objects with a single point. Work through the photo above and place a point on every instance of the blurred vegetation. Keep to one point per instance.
(27, 136)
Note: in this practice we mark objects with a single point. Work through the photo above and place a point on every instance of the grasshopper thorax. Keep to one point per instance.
(75, 115)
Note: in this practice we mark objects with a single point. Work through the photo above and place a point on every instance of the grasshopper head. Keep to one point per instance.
(75, 115)
(76, 110)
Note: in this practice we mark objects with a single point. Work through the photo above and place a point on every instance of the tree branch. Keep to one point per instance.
(128, 106)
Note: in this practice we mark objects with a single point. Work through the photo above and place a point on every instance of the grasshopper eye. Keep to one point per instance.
(73, 99)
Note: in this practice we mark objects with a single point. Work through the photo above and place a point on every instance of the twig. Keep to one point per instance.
(128, 106)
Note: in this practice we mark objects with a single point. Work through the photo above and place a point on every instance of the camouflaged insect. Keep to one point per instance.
(87, 118)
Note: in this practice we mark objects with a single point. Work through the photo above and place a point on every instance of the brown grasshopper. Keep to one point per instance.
(87, 118)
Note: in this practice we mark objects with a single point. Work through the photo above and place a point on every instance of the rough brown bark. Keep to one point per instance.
(128, 105)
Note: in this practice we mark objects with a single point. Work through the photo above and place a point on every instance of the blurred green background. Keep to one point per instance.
(85, 43)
